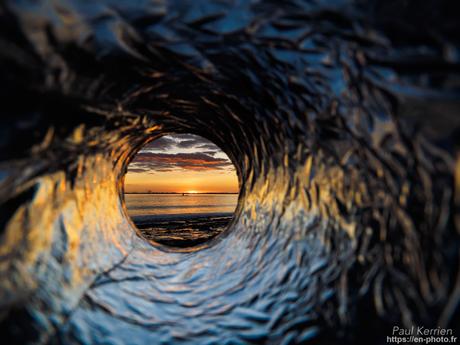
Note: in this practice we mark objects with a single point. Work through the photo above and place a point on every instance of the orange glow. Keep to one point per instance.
(182, 182)
(174, 169)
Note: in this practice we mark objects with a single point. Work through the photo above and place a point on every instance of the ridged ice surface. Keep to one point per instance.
(342, 118)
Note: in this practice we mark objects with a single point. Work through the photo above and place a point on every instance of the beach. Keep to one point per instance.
(181, 221)
(185, 231)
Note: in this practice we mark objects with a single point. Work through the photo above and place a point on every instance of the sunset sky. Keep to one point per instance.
(181, 163)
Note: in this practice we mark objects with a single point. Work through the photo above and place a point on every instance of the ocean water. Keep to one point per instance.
(171, 206)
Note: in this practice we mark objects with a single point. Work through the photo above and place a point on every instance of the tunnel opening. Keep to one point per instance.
(181, 190)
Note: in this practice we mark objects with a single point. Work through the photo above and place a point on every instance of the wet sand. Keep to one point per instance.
(182, 231)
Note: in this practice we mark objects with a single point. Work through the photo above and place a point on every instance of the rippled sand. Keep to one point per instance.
(184, 232)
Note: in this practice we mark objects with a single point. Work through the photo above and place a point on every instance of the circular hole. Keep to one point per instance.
(181, 190)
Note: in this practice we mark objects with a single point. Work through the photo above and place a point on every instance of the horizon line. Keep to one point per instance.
(181, 193)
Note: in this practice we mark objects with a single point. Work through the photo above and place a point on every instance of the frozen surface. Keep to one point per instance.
(342, 118)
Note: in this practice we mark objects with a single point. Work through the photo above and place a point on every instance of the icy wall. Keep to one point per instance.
(342, 118)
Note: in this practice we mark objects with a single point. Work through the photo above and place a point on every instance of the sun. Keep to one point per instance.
(191, 192)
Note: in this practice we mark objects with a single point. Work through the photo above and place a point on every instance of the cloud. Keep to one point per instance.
(209, 146)
(164, 143)
(179, 152)
(180, 141)
(187, 136)
(197, 161)
(136, 169)
(186, 144)
(189, 141)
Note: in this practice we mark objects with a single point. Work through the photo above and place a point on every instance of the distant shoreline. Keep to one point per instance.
(178, 193)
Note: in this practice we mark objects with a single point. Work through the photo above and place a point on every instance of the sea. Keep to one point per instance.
(143, 207)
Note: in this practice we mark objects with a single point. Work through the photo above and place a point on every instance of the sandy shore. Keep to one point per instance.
(182, 230)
